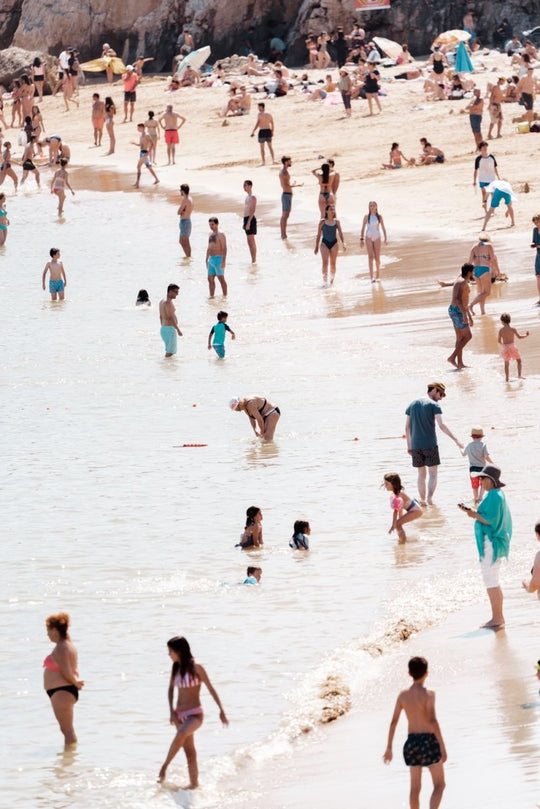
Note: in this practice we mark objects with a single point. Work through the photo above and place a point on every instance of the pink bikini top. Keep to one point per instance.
(49, 664)
(187, 681)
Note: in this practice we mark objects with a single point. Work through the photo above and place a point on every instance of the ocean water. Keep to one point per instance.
(107, 514)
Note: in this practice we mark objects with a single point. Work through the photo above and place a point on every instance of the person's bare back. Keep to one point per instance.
(460, 294)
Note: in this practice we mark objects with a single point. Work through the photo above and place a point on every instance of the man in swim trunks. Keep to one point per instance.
(500, 190)
(423, 416)
(265, 125)
(475, 109)
(145, 146)
(496, 99)
(57, 275)
(169, 122)
(460, 315)
(169, 321)
(131, 81)
(184, 212)
(216, 257)
(286, 193)
(424, 746)
(250, 221)
(526, 89)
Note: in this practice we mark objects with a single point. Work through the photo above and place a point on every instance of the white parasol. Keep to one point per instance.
(452, 37)
(195, 59)
(388, 46)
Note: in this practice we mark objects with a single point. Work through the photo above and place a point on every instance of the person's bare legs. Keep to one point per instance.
(507, 370)
(212, 285)
(61, 200)
(370, 103)
(283, 227)
(416, 784)
(185, 245)
(252, 248)
(375, 245)
(223, 284)
(519, 370)
(333, 260)
(510, 213)
(421, 483)
(188, 729)
(270, 424)
(191, 758)
(325, 255)
(112, 139)
(495, 595)
(488, 215)
(437, 775)
(371, 257)
(409, 516)
(537, 282)
(263, 159)
(432, 483)
(465, 337)
(271, 151)
(62, 704)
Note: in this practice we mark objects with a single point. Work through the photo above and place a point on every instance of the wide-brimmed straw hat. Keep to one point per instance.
(477, 431)
(494, 474)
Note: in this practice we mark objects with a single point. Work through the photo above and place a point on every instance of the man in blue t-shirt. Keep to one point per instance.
(423, 416)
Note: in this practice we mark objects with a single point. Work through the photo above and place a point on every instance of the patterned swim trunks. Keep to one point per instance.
(421, 750)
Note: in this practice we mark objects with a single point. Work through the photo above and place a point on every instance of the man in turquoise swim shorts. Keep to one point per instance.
(169, 321)
(216, 257)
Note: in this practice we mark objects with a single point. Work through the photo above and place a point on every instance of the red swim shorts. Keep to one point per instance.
(171, 136)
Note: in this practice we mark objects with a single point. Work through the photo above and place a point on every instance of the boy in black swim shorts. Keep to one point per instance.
(424, 746)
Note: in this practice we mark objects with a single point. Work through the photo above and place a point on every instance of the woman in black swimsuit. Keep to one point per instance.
(371, 89)
(252, 536)
(327, 237)
(261, 413)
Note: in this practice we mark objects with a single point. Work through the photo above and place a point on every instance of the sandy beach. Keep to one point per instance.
(96, 422)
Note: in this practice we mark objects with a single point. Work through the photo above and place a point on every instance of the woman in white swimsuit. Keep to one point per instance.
(371, 226)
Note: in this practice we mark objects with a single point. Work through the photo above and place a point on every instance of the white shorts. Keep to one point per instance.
(490, 569)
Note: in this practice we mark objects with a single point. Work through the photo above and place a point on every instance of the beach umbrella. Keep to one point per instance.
(463, 62)
(452, 37)
(195, 59)
(388, 46)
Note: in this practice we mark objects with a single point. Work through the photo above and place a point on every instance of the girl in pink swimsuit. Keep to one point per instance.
(187, 676)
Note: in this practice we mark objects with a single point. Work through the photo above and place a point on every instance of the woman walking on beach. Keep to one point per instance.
(4, 221)
(38, 76)
(5, 166)
(187, 676)
(60, 675)
(327, 237)
(110, 112)
(152, 129)
(345, 88)
(486, 267)
(325, 186)
(261, 413)
(371, 226)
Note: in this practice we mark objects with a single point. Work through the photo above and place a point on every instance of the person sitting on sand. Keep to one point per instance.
(396, 156)
(251, 67)
(431, 154)
(511, 92)
(190, 77)
(322, 92)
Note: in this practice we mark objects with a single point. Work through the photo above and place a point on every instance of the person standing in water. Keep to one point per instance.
(371, 226)
(509, 350)
(424, 746)
(4, 221)
(169, 321)
(59, 183)
(216, 257)
(187, 676)
(250, 221)
(185, 210)
(286, 194)
(327, 237)
(460, 315)
(57, 275)
(262, 414)
(60, 676)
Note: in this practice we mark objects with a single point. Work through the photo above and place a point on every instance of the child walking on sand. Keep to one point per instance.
(300, 538)
(424, 746)
(404, 508)
(477, 453)
(509, 351)
(219, 331)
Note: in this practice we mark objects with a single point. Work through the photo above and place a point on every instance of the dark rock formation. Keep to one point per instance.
(16, 61)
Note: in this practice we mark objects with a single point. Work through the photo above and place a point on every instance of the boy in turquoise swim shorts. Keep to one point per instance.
(218, 332)
(57, 275)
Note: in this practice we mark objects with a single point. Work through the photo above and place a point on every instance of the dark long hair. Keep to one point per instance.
(325, 168)
(251, 513)
(187, 663)
(395, 481)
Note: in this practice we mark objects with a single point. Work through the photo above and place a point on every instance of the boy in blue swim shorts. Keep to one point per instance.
(57, 275)
(218, 332)
(216, 257)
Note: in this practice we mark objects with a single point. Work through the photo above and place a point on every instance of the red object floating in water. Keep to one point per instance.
(355, 439)
(194, 445)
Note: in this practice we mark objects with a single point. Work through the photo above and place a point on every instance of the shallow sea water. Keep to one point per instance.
(107, 515)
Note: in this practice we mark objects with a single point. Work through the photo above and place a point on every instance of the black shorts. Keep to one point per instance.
(252, 228)
(265, 135)
(130, 96)
(526, 101)
(421, 750)
(425, 457)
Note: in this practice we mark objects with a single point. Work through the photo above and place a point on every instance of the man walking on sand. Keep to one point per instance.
(169, 122)
(265, 125)
(145, 145)
(169, 321)
(250, 221)
(423, 416)
(286, 193)
(216, 257)
(460, 315)
(184, 212)
(131, 81)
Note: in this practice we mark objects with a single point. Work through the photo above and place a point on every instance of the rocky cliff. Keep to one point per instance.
(154, 27)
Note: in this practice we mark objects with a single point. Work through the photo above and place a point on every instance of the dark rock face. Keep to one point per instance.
(154, 27)
(16, 61)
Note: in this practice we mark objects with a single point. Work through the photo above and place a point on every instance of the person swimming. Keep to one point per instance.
(143, 298)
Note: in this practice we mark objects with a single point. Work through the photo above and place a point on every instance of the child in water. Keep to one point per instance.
(477, 453)
(219, 331)
(404, 508)
(509, 351)
(253, 576)
(300, 537)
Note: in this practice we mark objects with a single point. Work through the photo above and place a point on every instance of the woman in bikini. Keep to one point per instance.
(325, 187)
(16, 104)
(60, 675)
(327, 238)
(110, 112)
(152, 128)
(4, 221)
(396, 156)
(27, 95)
(261, 413)
(38, 76)
(187, 676)
(5, 167)
(37, 127)
(28, 163)
(370, 226)
(252, 535)
(59, 183)
(486, 267)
